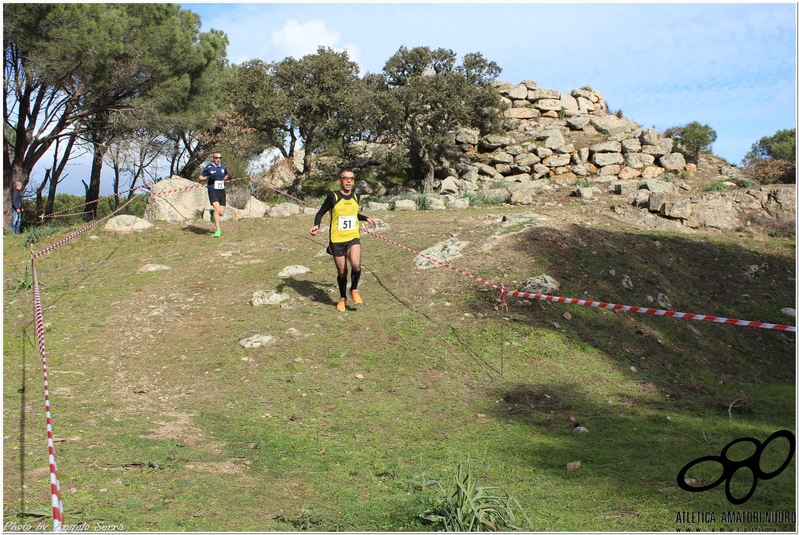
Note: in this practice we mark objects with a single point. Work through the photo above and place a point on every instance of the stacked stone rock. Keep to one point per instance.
(538, 151)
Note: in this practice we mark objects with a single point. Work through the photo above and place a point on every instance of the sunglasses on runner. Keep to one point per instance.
(347, 179)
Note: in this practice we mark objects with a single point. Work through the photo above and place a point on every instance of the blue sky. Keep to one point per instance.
(731, 66)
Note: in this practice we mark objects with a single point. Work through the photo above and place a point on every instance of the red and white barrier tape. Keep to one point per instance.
(55, 484)
(290, 196)
(554, 299)
(77, 233)
(653, 311)
(599, 304)
(188, 188)
(53, 214)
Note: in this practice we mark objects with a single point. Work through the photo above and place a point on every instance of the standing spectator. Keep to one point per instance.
(16, 207)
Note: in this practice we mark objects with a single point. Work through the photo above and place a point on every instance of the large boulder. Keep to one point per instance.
(444, 251)
(126, 223)
(608, 146)
(495, 141)
(672, 162)
(449, 186)
(252, 210)
(601, 159)
(284, 209)
(176, 200)
(522, 113)
(638, 160)
(541, 284)
(405, 205)
(469, 136)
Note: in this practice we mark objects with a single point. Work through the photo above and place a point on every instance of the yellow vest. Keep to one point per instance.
(344, 224)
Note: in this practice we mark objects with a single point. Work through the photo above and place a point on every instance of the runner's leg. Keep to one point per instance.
(341, 274)
(219, 211)
(354, 256)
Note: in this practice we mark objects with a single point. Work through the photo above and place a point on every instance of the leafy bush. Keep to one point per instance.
(770, 170)
(780, 146)
(472, 197)
(469, 507)
(692, 138)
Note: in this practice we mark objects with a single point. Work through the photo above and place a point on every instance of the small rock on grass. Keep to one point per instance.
(573, 466)
(256, 340)
(290, 271)
(267, 297)
(152, 267)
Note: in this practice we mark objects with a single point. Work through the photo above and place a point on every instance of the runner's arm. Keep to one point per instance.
(326, 207)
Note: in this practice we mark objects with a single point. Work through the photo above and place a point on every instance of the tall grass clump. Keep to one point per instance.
(470, 507)
(715, 186)
(422, 201)
(495, 199)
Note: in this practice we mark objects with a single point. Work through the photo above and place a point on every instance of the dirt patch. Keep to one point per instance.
(178, 429)
(233, 466)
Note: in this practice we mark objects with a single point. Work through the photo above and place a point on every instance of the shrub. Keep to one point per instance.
(780, 146)
(692, 138)
(472, 197)
(238, 195)
(770, 170)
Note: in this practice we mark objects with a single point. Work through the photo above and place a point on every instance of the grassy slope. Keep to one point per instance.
(146, 368)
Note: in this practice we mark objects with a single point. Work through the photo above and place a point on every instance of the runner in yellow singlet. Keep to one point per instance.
(345, 242)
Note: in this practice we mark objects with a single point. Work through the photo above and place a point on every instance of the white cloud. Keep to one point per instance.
(300, 39)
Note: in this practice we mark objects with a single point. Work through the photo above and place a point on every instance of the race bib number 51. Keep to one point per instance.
(346, 222)
(219, 184)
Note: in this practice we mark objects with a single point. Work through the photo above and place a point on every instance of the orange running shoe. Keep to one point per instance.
(342, 304)
(356, 297)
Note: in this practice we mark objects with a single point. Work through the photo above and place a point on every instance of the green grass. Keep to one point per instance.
(165, 423)
(715, 186)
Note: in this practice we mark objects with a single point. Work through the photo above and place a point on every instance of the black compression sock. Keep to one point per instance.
(342, 286)
(356, 276)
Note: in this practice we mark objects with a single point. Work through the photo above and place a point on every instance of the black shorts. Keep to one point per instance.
(340, 249)
(217, 195)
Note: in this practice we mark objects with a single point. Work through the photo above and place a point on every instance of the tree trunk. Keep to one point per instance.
(93, 189)
(429, 178)
(51, 195)
(39, 199)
